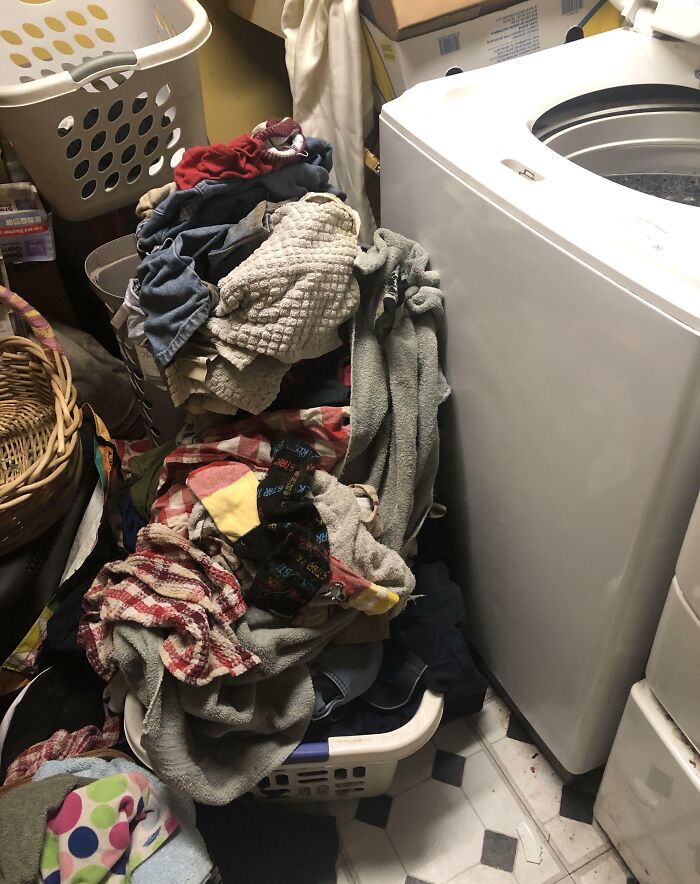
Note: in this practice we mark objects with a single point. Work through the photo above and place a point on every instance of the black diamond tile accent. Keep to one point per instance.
(577, 804)
(590, 782)
(374, 811)
(448, 768)
(632, 881)
(499, 851)
(516, 731)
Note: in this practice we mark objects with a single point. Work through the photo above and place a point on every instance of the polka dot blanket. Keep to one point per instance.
(104, 831)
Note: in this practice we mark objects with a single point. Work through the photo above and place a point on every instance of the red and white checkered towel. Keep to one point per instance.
(169, 584)
(64, 744)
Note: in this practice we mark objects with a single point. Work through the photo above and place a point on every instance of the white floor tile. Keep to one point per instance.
(548, 871)
(490, 797)
(576, 843)
(372, 855)
(413, 770)
(606, 869)
(492, 722)
(435, 832)
(490, 693)
(527, 770)
(551, 874)
(458, 737)
(483, 875)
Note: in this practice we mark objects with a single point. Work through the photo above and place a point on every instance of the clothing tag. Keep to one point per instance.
(119, 317)
(147, 363)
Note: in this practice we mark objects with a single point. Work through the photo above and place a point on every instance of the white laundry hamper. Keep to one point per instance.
(99, 99)
(337, 768)
(109, 269)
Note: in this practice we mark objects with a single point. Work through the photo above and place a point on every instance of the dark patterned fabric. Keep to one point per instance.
(290, 546)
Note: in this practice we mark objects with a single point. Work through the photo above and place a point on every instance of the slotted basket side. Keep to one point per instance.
(40, 454)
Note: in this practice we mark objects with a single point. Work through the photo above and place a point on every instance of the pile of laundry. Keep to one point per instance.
(274, 575)
(247, 268)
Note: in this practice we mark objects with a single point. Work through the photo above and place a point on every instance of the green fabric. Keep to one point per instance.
(23, 814)
(145, 470)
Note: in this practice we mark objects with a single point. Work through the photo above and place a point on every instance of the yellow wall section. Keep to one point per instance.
(244, 76)
(607, 18)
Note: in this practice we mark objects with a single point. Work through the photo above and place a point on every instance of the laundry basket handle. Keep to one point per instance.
(41, 328)
(104, 65)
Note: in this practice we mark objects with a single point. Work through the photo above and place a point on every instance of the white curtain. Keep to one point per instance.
(329, 74)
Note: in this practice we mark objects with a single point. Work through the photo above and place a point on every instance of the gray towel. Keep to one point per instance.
(397, 389)
(216, 742)
(23, 814)
(353, 545)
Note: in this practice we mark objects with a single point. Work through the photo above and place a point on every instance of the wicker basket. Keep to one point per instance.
(40, 453)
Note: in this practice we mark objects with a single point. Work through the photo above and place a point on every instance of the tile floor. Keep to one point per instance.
(477, 805)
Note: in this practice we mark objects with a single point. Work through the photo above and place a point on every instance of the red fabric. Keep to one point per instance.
(244, 157)
(64, 744)
(248, 441)
(171, 586)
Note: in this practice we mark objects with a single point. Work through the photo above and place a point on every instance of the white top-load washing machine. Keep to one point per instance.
(649, 800)
(559, 197)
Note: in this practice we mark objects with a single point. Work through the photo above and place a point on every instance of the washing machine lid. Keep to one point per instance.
(673, 18)
(478, 127)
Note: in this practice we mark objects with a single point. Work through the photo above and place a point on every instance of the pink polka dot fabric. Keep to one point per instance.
(105, 830)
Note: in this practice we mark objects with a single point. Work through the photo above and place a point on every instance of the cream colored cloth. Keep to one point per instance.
(282, 304)
(149, 201)
(289, 297)
(328, 67)
(203, 380)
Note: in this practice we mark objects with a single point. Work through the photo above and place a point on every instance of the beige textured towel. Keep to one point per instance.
(289, 298)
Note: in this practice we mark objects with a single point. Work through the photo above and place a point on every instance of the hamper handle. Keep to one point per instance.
(41, 328)
(104, 64)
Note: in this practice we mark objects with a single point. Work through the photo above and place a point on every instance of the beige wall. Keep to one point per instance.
(243, 75)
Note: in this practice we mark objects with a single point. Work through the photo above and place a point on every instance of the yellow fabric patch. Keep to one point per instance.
(234, 509)
(374, 600)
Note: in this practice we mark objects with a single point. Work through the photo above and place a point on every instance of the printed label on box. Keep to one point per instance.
(25, 226)
(516, 33)
(449, 43)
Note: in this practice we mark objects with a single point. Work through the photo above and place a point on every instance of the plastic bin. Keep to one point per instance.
(99, 99)
(341, 767)
(109, 269)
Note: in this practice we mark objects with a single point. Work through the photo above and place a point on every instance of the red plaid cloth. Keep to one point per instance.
(64, 744)
(326, 429)
(168, 584)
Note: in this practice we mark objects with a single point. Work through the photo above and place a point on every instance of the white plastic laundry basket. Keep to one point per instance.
(109, 269)
(351, 767)
(340, 767)
(99, 99)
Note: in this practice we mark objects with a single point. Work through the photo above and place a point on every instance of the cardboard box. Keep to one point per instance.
(25, 225)
(508, 33)
(402, 19)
